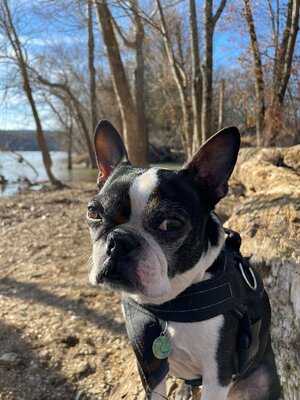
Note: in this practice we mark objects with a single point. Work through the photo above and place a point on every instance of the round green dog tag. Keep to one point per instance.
(161, 347)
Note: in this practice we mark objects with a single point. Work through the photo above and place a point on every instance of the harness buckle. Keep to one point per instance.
(253, 285)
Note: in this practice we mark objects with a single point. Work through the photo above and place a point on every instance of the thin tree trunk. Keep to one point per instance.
(181, 83)
(70, 147)
(207, 70)
(282, 69)
(16, 44)
(293, 32)
(258, 74)
(196, 77)
(84, 128)
(210, 21)
(140, 79)
(67, 124)
(133, 140)
(63, 87)
(221, 105)
(92, 71)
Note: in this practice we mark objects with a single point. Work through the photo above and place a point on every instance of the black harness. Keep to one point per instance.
(234, 288)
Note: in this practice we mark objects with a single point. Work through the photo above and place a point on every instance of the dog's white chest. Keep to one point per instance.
(194, 347)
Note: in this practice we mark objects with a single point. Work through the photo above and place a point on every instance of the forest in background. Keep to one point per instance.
(166, 72)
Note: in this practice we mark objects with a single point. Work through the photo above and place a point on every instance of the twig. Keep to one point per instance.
(21, 159)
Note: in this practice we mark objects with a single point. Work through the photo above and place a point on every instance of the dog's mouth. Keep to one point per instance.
(116, 275)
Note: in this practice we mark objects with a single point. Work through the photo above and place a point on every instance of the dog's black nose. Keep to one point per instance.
(120, 243)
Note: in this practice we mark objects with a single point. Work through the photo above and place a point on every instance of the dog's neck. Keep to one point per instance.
(194, 275)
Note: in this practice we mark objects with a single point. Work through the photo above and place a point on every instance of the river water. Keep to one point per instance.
(14, 171)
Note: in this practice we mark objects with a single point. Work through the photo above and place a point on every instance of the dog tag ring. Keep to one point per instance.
(161, 346)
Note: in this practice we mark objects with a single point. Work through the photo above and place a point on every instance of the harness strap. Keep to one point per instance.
(207, 299)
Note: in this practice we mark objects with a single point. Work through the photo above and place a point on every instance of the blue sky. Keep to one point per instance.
(39, 32)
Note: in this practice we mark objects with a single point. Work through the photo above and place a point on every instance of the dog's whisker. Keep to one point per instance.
(90, 263)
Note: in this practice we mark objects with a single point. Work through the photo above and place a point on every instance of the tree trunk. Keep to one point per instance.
(292, 32)
(85, 130)
(140, 81)
(40, 135)
(92, 71)
(63, 87)
(133, 140)
(70, 147)
(258, 74)
(181, 83)
(282, 68)
(66, 122)
(210, 21)
(221, 105)
(196, 77)
(207, 70)
(17, 47)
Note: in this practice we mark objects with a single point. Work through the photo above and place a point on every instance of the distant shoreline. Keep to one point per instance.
(25, 140)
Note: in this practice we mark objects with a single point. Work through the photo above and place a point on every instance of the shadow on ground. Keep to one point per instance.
(43, 382)
(30, 291)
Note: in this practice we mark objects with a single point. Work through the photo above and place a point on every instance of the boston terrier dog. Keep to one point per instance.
(193, 306)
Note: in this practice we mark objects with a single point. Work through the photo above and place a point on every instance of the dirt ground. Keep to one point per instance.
(59, 337)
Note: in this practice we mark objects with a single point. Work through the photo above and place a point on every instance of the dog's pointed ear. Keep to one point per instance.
(109, 148)
(214, 162)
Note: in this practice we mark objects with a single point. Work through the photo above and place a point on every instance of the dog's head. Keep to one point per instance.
(153, 230)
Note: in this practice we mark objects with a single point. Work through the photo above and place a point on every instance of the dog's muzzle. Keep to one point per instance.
(121, 245)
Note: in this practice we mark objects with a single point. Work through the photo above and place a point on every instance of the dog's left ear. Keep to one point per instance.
(109, 148)
(214, 162)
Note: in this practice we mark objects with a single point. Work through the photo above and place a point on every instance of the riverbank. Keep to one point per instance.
(22, 169)
(59, 337)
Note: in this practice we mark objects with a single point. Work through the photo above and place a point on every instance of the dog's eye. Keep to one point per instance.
(170, 225)
(93, 212)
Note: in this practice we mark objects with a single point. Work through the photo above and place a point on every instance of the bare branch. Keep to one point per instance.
(219, 11)
(131, 44)
(293, 31)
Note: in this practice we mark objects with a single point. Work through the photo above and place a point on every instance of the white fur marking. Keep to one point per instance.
(152, 269)
(194, 347)
(139, 193)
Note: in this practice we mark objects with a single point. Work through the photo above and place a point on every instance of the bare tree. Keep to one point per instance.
(91, 64)
(258, 73)
(282, 71)
(272, 119)
(180, 78)
(221, 105)
(66, 122)
(64, 87)
(9, 31)
(210, 21)
(137, 45)
(136, 144)
(139, 86)
(196, 76)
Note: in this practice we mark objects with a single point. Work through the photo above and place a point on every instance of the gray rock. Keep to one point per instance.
(9, 360)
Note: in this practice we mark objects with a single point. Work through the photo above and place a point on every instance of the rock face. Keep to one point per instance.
(267, 215)
(264, 207)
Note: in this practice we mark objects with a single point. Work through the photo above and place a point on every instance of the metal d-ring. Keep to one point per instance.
(251, 286)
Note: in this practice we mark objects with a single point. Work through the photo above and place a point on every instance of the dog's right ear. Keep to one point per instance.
(212, 165)
(109, 148)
